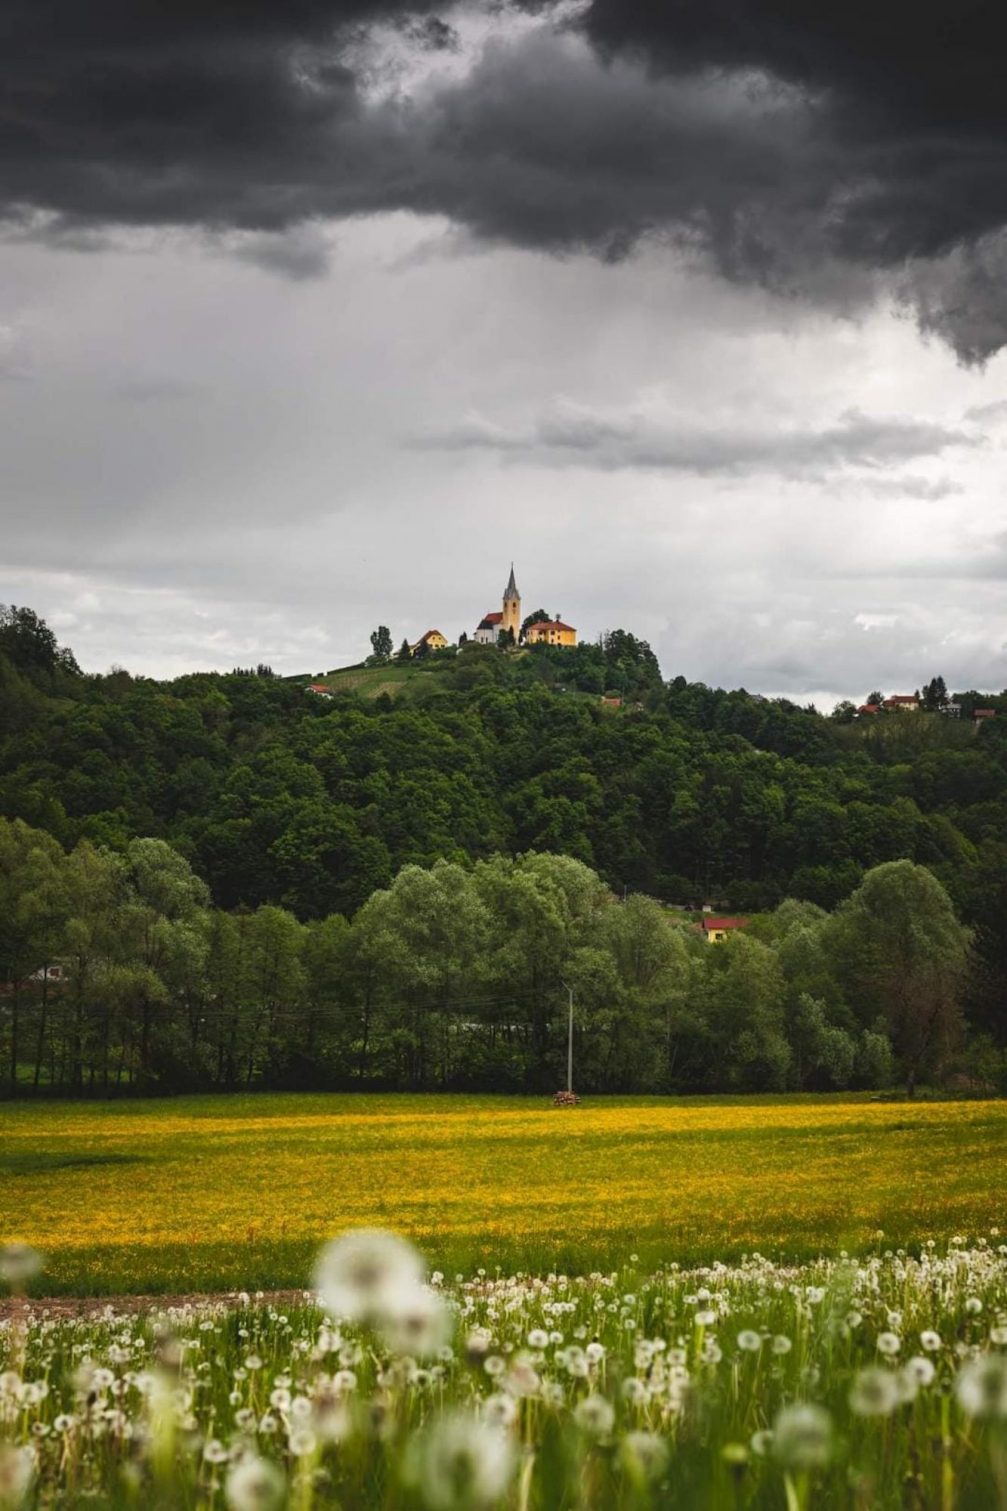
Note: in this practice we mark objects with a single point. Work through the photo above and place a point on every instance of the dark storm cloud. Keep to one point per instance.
(910, 95)
(204, 111)
(811, 148)
(571, 435)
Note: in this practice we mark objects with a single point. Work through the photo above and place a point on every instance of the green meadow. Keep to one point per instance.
(208, 1193)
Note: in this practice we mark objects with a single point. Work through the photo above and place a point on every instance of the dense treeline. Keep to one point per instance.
(461, 976)
(687, 794)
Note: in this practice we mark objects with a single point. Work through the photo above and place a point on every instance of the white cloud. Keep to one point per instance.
(208, 467)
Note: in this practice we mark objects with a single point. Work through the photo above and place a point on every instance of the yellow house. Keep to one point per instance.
(433, 640)
(550, 632)
(717, 929)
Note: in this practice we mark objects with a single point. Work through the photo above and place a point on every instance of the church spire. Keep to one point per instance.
(510, 591)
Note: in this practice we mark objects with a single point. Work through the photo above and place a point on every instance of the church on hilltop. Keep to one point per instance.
(542, 632)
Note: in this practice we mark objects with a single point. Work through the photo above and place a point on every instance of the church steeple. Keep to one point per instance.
(511, 617)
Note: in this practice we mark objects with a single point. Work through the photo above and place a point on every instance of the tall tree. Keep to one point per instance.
(29, 862)
(538, 617)
(935, 695)
(902, 952)
(381, 643)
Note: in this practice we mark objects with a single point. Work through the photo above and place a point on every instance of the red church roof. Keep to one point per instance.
(493, 618)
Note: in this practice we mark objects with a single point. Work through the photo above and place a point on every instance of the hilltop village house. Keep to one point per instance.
(551, 632)
(495, 624)
(910, 703)
(433, 640)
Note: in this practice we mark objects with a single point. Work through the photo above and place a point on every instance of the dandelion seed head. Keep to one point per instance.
(255, 1484)
(18, 1467)
(981, 1387)
(644, 1455)
(595, 1416)
(459, 1463)
(19, 1263)
(874, 1392)
(500, 1410)
(802, 1437)
(367, 1275)
(302, 1442)
(419, 1324)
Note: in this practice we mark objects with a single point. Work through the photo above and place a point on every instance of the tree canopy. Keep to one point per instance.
(686, 794)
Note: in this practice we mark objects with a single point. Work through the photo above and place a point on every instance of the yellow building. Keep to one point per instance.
(511, 619)
(433, 640)
(492, 626)
(550, 632)
(717, 929)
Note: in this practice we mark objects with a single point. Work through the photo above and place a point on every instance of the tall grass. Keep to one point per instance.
(864, 1383)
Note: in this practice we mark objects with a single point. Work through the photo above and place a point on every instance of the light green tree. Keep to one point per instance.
(903, 953)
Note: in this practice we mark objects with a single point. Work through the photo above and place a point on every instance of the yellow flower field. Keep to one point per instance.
(200, 1193)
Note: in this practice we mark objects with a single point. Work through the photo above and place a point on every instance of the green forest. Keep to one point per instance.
(243, 884)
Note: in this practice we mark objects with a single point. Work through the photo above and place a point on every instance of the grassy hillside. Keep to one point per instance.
(372, 681)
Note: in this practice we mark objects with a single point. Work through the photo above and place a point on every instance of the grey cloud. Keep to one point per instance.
(959, 297)
(301, 253)
(15, 359)
(571, 434)
(155, 390)
(909, 485)
(993, 413)
(813, 153)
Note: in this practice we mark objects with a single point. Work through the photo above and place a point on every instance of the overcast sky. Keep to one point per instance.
(314, 316)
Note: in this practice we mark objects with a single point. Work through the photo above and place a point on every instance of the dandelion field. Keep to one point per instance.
(875, 1383)
(218, 1193)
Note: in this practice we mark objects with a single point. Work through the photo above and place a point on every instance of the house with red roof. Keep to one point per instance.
(433, 640)
(717, 929)
(497, 623)
(902, 703)
(488, 630)
(550, 632)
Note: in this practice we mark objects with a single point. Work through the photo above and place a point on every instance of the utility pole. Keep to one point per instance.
(569, 1041)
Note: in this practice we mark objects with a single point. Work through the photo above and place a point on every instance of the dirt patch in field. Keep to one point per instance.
(93, 1306)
